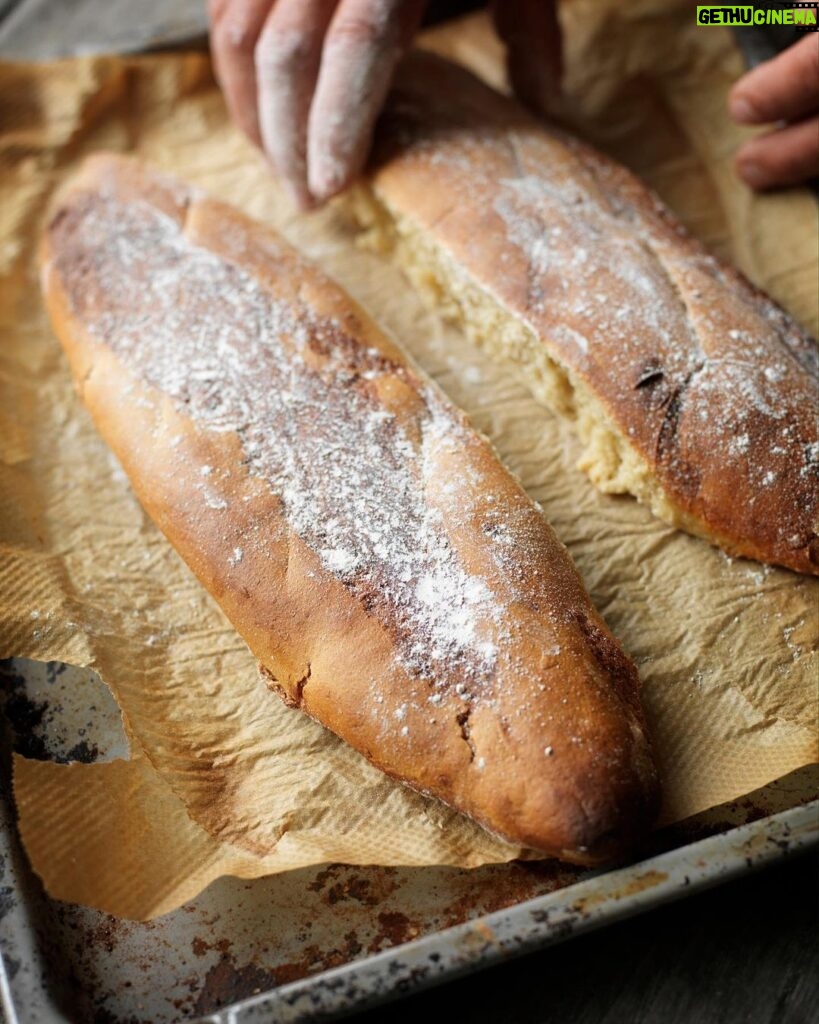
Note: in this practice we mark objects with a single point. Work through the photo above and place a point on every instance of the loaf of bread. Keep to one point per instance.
(689, 388)
(391, 577)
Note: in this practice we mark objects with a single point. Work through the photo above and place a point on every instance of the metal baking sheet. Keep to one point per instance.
(588, 904)
(316, 943)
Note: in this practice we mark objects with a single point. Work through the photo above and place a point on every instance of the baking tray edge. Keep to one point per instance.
(599, 899)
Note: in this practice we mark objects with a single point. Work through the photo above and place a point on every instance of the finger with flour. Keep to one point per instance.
(235, 26)
(288, 56)
(787, 156)
(363, 44)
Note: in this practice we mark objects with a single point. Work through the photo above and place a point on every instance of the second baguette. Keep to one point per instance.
(690, 389)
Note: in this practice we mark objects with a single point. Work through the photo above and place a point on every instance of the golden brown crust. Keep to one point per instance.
(390, 576)
(706, 387)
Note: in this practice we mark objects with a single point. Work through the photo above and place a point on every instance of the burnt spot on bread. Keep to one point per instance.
(466, 735)
(651, 375)
(615, 664)
(686, 476)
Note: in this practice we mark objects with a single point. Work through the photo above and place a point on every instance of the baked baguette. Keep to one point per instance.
(391, 577)
(690, 389)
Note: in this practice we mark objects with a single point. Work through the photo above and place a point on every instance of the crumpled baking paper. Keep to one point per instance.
(223, 778)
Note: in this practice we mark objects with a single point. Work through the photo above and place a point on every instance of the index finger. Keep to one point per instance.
(781, 89)
(287, 64)
(361, 49)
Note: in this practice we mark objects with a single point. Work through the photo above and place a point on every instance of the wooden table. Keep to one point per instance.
(746, 953)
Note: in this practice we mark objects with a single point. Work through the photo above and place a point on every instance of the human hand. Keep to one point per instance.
(784, 90)
(534, 50)
(306, 79)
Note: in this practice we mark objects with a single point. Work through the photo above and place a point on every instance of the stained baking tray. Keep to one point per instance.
(313, 944)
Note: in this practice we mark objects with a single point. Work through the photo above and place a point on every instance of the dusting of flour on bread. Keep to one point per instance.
(350, 477)
(689, 388)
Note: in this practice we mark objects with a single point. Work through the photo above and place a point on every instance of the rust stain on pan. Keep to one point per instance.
(225, 983)
(242, 938)
(639, 884)
(336, 884)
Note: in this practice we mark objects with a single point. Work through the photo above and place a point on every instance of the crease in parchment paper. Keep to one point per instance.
(222, 777)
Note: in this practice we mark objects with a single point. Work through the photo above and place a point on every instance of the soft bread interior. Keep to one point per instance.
(610, 461)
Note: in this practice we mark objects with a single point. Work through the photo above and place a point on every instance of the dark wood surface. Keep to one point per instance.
(746, 952)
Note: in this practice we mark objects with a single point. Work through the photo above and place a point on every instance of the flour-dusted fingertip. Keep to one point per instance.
(742, 110)
(296, 191)
(752, 173)
(327, 181)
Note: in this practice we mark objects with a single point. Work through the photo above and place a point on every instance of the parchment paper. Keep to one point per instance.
(223, 779)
